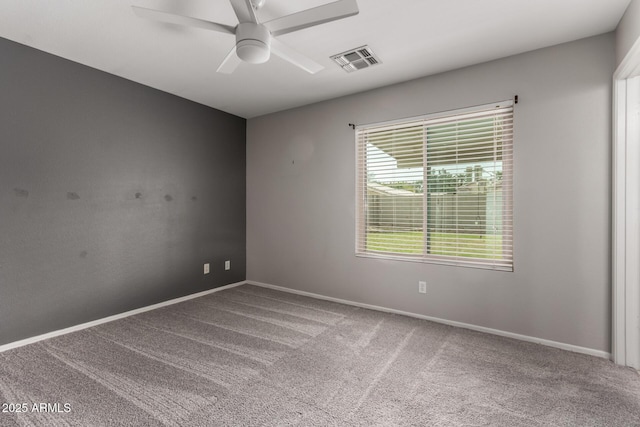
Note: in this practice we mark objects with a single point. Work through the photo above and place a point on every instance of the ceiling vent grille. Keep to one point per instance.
(356, 59)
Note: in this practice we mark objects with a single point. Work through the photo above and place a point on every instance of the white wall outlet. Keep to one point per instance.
(422, 287)
(206, 268)
(227, 265)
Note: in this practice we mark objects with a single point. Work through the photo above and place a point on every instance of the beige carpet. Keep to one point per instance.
(252, 356)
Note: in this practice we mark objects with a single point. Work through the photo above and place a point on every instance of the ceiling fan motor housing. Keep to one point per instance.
(253, 42)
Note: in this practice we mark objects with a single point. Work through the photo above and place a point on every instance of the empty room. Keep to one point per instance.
(320, 212)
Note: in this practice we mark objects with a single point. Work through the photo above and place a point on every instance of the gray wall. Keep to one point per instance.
(301, 198)
(112, 194)
(628, 30)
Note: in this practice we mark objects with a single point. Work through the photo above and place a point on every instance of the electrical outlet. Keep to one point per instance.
(422, 287)
(227, 265)
(206, 268)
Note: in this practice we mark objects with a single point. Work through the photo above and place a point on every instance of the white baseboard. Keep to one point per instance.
(549, 343)
(97, 322)
(555, 344)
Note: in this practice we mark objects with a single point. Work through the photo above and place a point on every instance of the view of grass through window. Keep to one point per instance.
(412, 242)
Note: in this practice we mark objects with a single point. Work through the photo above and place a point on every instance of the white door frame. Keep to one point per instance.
(625, 345)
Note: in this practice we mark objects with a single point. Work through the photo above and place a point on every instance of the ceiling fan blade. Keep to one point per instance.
(170, 18)
(230, 63)
(296, 58)
(244, 11)
(314, 16)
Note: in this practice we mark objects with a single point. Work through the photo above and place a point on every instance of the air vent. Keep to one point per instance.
(356, 59)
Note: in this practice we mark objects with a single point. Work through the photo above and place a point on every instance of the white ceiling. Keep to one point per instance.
(413, 38)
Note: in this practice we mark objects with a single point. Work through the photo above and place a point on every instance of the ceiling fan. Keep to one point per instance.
(255, 41)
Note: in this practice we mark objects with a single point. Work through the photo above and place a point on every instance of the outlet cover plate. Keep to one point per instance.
(422, 287)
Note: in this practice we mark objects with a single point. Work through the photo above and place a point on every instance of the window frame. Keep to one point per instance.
(424, 257)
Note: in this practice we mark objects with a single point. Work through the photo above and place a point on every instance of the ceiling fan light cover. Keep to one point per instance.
(253, 51)
(253, 43)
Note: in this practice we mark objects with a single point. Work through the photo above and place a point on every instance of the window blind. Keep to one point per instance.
(438, 188)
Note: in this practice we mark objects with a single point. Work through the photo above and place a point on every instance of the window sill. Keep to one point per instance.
(466, 262)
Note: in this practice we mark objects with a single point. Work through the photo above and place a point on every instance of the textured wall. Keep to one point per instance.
(301, 198)
(112, 194)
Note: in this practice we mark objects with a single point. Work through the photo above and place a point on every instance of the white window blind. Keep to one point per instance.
(438, 188)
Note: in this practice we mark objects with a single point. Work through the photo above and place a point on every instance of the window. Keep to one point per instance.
(438, 188)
